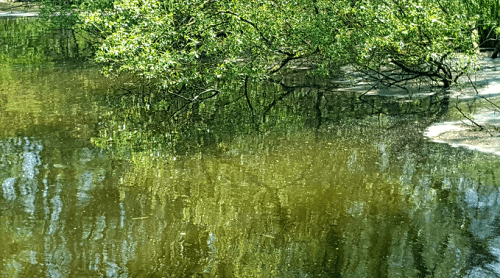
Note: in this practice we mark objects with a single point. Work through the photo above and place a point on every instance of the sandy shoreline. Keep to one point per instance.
(464, 133)
(18, 14)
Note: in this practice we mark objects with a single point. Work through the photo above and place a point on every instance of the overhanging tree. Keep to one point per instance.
(180, 44)
(194, 51)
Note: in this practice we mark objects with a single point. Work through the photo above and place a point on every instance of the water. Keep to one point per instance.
(363, 197)
(480, 131)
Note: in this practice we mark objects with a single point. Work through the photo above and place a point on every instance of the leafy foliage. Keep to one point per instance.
(421, 38)
(205, 44)
(212, 42)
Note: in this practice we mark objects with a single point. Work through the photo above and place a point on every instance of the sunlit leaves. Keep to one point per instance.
(209, 43)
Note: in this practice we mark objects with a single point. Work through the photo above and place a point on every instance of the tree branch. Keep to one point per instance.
(254, 25)
(290, 57)
(471, 120)
(246, 94)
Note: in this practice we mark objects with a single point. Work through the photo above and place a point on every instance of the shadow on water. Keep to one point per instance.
(365, 195)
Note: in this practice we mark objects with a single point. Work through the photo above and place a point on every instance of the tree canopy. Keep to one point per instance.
(181, 43)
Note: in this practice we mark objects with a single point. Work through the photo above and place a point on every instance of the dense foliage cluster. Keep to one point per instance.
(202, 44)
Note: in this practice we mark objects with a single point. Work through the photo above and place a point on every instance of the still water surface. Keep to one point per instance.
(355, 200)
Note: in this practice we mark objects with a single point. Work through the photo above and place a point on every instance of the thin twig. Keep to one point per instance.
(197, 98)
(477, 93)
(472, 121)
(290, 57)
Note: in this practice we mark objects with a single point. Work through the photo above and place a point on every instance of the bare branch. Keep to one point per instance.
(197, 98)
(290, 57)
(477, 93)
(471, 120)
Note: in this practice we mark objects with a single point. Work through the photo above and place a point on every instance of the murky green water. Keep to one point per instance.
(363, 197)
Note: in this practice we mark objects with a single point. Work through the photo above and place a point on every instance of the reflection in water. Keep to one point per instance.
(483, 211)
(8, 189)
(69, 227)
(303, 208)
(296, 205)
(293, 207)
(282, 207)
(28, 185)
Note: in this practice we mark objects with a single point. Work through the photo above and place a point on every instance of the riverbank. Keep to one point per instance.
(480, 129)
(18, 14)
(18, 9)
